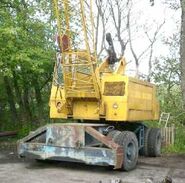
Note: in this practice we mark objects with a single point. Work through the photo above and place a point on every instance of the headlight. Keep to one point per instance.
(115, 106)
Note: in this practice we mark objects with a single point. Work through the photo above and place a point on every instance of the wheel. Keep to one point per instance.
(154, 142)
(113, 133)
(129, 142)
(144, 150)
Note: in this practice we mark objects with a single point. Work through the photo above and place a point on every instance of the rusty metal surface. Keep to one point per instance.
(66, 136)
(77, 124)
(8, 133)
(88, 155)
(72, 142)
(114, 88)
(110, 143)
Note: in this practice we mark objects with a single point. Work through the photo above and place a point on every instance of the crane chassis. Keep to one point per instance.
(106, 106)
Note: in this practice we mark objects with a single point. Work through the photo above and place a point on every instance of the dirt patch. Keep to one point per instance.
(13, 169)
(165, 161)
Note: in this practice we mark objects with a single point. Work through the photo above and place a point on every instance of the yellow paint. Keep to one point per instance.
(58, 96)
(82, 94)
(86, 110)
(137, 104)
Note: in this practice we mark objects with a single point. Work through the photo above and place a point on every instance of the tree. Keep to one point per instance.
(119, 13)
(166, 74)
(152, 38)
(117, 17)
(25, 58)
(182, 50)
(101, 25)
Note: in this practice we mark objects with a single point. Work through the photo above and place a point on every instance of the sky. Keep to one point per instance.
(151, 17)
(144, 18)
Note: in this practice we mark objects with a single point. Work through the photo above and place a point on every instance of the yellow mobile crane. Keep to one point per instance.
(107, 106)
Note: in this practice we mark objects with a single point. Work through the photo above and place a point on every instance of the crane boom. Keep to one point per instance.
(78, 62)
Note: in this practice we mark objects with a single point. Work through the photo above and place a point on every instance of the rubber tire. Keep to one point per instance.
(124, 139)
(113, 134)
(154, 142)
(144, 150)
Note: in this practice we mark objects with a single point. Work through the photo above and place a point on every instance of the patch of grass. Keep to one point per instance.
(179, 146)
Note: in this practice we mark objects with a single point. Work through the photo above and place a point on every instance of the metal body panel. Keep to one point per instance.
(123, 99)
(86, 110)
(65, 136)
(72, 142)
(88, 155)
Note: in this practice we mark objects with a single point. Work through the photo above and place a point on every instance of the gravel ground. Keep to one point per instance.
(14, 170)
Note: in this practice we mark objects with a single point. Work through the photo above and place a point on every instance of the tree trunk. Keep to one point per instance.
(10, 99)
(150, 65)
(122, 44)
(37, 91)
(26, 98)
(18, 92)
(1, 114)
(182, 51)
(38, 96)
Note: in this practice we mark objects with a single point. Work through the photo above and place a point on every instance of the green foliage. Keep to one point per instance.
(24, 130)
(179, 146)
(26, 63)
(166, 75)
(28, 127)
